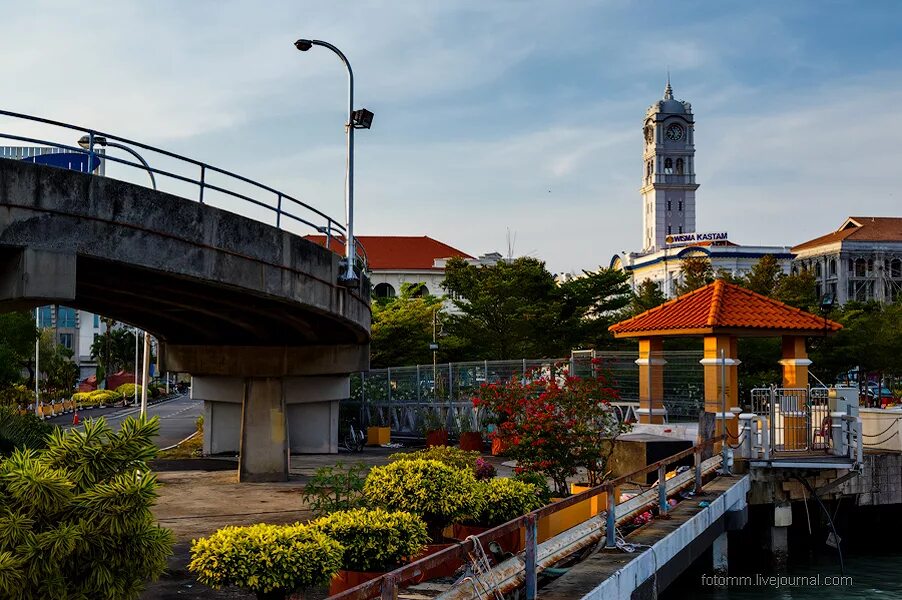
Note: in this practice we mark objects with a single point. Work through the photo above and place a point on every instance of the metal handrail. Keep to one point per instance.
(387, 585)
(327, 225)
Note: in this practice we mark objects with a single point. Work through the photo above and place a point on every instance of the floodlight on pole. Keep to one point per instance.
(357, 119)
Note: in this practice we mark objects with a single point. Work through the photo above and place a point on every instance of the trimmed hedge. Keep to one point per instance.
(439, 494)
(268, 560)
(127, 390)
(375, 539)
(505, 499)
(449, 455)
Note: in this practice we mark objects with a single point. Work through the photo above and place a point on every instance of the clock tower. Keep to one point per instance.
(668, 181)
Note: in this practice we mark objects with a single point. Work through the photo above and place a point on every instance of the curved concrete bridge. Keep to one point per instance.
(254, 313)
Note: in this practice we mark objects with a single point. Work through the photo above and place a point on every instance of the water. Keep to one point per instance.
(871, 575)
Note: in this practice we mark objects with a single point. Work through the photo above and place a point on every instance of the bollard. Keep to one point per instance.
(531, 556)
(662, 490)
(611, 522)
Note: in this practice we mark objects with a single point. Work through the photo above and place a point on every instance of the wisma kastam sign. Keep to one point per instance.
(683, 239)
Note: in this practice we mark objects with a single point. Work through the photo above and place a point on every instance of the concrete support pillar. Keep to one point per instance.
(263, 454)
(721, 378)
(795, 362)
(719, 551)
(779, 534)
(310, 412)
(651, 380)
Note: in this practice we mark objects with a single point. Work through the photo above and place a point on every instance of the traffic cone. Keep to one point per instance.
(75, 418)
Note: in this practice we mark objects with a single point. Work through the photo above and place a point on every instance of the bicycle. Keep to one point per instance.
(353, 439)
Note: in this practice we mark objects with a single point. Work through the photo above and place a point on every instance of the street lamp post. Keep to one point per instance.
(37, 362)
(360, 119)
(88, 143)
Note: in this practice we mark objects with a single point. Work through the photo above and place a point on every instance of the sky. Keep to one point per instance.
(504, 125)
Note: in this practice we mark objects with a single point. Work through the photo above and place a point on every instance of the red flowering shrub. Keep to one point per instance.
(554, 423)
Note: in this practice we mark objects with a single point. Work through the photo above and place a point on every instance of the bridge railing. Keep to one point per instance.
(185, 177)
(386, 586)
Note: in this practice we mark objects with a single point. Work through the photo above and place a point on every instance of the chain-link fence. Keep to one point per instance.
(414, 398)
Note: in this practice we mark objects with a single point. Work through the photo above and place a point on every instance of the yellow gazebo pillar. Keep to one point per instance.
(651, 380)
(795, 362)
(721, 378)
(795, 376)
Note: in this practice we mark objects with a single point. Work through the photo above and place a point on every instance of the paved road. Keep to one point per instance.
(177, 418)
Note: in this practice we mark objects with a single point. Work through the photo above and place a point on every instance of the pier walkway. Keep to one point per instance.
(662, 549)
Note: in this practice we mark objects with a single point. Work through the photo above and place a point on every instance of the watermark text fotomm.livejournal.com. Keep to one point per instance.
(776, 581)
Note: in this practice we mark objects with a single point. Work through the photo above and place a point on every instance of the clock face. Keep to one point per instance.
(674, 132)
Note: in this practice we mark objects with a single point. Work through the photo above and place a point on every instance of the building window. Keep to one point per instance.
(681, 229)
(679, 166)
(66, 340)
(420, 291)
(833, 266)
(669, 202)
(96, 321)
(384, 290)
(65, 317)
(817, 271)
(45, 316)
(668, 166)
(668, 230)
(895, 268)
(680, 206)
(860, 267)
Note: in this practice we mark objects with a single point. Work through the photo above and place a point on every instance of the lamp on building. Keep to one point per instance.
(357, 119)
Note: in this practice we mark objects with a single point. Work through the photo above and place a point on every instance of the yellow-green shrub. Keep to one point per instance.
(268, 560)
(105, 397)
(375, 539)
(504, 499)
(16, 395)
(439, 494)
(127, 390)
(449, 455)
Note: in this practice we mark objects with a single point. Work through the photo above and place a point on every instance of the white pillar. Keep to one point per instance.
(720, 554)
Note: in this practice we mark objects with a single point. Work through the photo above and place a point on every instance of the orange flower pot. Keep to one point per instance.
(377, 436)
(498, 446)
(446, 569)
(345, 580)
(471, 440)
(437, 437)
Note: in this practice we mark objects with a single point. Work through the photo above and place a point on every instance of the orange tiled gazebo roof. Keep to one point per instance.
(722, 307)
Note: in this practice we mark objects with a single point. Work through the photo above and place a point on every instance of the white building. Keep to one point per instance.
(394, 260)
(668, 189)
(862, 260)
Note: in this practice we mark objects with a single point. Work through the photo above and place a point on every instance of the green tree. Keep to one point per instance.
(799, 290)
(697, 273)
(58, 371)
(765, 276)
(115, 349)
(506, 310)
(402, 328)
(17, 337)
(589, 304)
(75, 519)
(648, 295)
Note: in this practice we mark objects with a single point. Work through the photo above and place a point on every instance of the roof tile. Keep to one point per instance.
(397, 252)
(722, 305)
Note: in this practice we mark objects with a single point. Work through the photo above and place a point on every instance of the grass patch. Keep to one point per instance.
(191, 448)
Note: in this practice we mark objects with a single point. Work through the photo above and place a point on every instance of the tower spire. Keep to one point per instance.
(668, 91)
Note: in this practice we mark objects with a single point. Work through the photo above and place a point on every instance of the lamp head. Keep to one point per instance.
(303, 45)
(827, 302)
(85, 141)
(362, 119)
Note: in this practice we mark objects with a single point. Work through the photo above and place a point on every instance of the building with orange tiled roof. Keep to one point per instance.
(862, 260)
(394, 260)
(669, 233)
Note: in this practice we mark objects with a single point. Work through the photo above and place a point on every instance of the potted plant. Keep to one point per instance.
(449, 455)
(433, 426)
(438, 493)
(503, 500)
(271, 561)
(468, 438)
(375, 541)
(379, 433)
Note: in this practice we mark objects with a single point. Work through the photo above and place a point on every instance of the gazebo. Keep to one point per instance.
(719, 312)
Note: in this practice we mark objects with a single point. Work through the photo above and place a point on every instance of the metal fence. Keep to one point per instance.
(798, 418)
(176, 174)
(406, 398)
